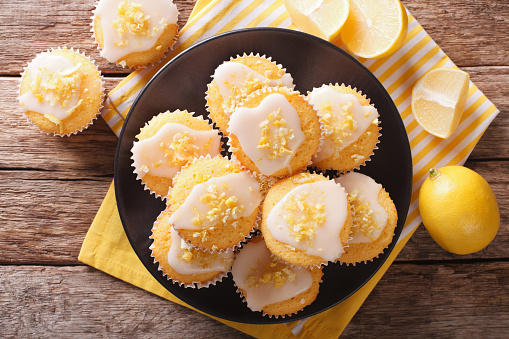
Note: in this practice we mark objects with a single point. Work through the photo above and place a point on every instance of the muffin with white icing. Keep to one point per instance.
(135, 33)
(374, 218)
(270, 286)
(274, 131)
(183, 264)
(349, 127)
(214, 203)
(306, 220)
(61, 91)
(166, 143)
(235, 79)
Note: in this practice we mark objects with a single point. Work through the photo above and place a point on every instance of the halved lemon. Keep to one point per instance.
(323, 18)
(375, 28)
(439, 99)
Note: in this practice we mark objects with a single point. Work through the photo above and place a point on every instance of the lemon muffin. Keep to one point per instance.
(61, 91)
(306, 220)
(183, 264)
(374, 218)
(267, 285)
(214, 204)
(166, 143)
(274, 132)
(349, 127)
(234, 80)
(135, 33)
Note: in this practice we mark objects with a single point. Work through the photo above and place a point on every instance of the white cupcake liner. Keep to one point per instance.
(101, 105)
(233, 59)
(137, 171)
(369, 260)
(123, 64)
(232, 149)
(335, 172)
(364, 261)
(277, 316)
(196, 284)
(322, 264)
(256, 224)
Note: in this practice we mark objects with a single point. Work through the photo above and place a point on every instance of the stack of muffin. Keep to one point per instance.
(286, 201)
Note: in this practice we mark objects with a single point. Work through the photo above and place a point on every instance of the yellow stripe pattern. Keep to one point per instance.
(397, 73)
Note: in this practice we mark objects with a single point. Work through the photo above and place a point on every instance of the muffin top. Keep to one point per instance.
(263, 280)
(345, 116)
(61, 91)
(128, 27)
(369, 216)
(283, 132)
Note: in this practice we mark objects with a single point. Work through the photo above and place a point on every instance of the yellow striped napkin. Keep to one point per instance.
(106, 240)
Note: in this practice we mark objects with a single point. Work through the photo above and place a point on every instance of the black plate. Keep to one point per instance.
(181, 84)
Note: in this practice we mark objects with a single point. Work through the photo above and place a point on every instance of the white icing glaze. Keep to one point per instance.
(218, 201)
(159, 155)
(249, 125)
(248, 270)
(197, 261)
(310, 218)
(331, 105)
(158, 13)
(236, 80)
(364, 190)
(50, 67)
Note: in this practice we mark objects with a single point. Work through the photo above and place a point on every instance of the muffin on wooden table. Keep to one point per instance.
(61, 91)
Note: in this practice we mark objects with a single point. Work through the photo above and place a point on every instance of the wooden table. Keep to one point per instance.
(51, 188)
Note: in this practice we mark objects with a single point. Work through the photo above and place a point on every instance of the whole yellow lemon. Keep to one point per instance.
(458, 209)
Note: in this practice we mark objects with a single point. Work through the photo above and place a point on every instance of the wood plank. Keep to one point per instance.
(67, 301)
(436, 301)
(471, 33)
(440, 300)
(493, 82)
(43, 25)
(43, 217)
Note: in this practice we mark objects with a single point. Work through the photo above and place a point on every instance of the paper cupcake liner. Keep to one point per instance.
(233, 149)
(233, 59)
(138, 171)
(123, 64)
(364, 261)
(256, 224)
(324, 263)
(243, 297)
(101, 105)
(333, 172)
(195, 284)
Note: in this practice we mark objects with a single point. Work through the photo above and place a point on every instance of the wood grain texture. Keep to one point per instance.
(471, 33)
(492, 81)
(67, 301)
(467, 300)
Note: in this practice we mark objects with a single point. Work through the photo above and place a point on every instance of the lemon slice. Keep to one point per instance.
(375, 28)
(438, 100)
(323, 18)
